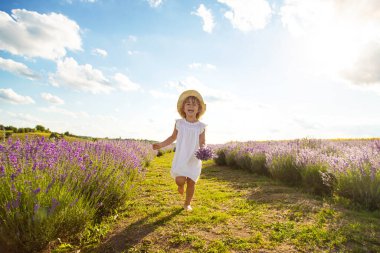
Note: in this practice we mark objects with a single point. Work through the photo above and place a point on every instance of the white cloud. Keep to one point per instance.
(79, 77)
(17, 68)
(160, 94)
(25, 118)
(31, 34)
(65, 112)
(124, 83)
(100, 52)
(133, 52)
(339, 36)
(155, 3)
(209, 94)
(52, 99)
(248, 15)
(83, 1)
(208, 19)
(132, 38)
(8, 95)
(202, 66)
(365, 70)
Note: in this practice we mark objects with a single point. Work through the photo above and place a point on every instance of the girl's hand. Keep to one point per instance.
(156, 146)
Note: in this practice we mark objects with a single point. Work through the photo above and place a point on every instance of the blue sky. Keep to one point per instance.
(267, 69)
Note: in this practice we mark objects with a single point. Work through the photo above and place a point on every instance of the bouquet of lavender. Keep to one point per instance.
(204, 153)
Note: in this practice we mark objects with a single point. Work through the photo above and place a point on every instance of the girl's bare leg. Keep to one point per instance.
(180, 181)
(189, 191)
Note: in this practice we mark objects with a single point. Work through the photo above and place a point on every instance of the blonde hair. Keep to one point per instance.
(191, 99)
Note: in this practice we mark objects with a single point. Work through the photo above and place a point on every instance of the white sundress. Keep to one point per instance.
(185, 163)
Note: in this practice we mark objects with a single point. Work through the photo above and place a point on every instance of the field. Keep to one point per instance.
(113, 196)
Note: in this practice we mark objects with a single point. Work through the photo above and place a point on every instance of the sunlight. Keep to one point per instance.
(331, 38)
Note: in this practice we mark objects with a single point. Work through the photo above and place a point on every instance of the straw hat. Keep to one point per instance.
(190, 93)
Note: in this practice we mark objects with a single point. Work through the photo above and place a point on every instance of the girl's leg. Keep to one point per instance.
(189, 191)
(180, 181)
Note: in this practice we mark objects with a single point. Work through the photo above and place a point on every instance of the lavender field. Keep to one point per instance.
(54, 189)
(347, 169)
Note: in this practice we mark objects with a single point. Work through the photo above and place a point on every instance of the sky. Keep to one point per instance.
(267, 69)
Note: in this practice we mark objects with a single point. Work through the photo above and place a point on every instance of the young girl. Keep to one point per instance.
(190, 135)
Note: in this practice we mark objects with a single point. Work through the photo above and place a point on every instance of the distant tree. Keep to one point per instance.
(11, 128)
(40, 128)
(55, 136)
(67, 133)
(29, 130)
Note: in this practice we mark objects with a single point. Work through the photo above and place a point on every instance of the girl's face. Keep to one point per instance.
(191, 107)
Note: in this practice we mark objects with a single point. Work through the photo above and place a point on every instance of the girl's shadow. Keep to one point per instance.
(135, 233)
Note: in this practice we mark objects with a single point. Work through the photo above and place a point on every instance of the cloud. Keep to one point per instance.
(83, 1)
(17, 68)
(304, 123)
(52, 99)
(124, 83)
(31, 34)
(25, 119)
(209, 94)
(65, 112)
(100, 52)
(79, 77)
(160, 94)
(248, 15)
(343, 35)
(8, 95)
(133, 52)
(365, 70)
(202, 66)
(208, 19)
(155, 3)
(300, 16)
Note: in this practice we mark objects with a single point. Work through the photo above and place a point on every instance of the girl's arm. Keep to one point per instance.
(202, 139)
(166, 142)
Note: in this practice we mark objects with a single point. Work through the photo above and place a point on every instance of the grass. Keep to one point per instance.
(22, 136)
(234, 211)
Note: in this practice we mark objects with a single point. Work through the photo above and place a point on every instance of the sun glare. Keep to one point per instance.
(332, 40)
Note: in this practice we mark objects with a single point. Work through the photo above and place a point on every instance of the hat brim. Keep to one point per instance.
(190, 93)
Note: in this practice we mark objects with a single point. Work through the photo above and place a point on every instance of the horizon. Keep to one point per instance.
(267, 69)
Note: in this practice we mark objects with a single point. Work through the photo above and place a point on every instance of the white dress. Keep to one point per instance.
(185, 163)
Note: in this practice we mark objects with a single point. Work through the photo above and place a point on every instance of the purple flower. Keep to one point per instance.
(54, 204)
(204, 153)
(36, 191)
(2, 171)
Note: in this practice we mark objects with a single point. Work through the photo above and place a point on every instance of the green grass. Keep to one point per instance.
(22, 136)
(234, 211)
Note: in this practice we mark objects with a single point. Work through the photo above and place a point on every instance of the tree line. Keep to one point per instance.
(9, 130)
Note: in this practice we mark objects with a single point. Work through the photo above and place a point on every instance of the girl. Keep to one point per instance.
(190, 135)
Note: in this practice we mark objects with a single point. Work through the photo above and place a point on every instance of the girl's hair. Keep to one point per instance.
(191, 99)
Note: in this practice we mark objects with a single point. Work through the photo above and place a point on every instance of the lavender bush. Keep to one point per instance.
(53, 189)
(348, 168)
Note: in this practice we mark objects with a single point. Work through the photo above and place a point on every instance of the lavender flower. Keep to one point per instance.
(204, 153)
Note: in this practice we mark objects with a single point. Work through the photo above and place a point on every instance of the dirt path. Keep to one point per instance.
(236, 211)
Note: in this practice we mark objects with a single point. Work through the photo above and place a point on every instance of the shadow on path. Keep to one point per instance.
(134, 233)
(261, 189)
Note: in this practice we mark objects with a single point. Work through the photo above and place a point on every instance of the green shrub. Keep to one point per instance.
(231, 158)
(258, 164)
(284, 169)
(362, 185)
(220, 158)
(317, 180)
(255, 163)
